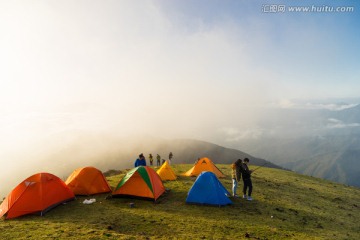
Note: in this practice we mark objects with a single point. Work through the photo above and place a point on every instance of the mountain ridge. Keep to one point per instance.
(328, 146)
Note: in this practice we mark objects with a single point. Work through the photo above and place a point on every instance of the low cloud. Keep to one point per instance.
(293, 104)
(330, 106)
(235, 135)
(336, 123)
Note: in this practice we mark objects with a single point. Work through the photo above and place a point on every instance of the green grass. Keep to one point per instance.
(302, 208)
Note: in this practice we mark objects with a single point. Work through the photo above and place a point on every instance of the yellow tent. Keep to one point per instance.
(166, 172)
(204, 164)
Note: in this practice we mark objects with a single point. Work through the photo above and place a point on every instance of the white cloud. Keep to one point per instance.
(336, 123)
(286, 103)
(232, 134)
(329, 106)
(300, 104)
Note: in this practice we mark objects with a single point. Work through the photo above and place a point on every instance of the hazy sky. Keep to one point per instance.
(176, 68)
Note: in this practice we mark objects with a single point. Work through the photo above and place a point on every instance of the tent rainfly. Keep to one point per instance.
(35, 195)
(142, 182)
(87, 181)
(166, 172)
(204, 164)
(208, 190)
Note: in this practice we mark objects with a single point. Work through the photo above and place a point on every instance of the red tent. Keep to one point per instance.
(36, 194)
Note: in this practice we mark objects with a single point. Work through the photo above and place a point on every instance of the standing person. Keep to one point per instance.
(236, 175)
(170, 157)
(158, 160)
(151, 159)
(141, 161)
(246, 175)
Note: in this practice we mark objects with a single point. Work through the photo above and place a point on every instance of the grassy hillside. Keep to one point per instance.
(286, 206)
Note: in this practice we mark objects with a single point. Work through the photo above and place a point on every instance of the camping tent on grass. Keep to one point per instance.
(141, 182)
(204, 164)
(166, 172)
(207, 189)
(87, 181)
(36, 194)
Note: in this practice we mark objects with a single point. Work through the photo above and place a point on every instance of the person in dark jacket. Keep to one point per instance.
(151, 159)
(246, 176)
(158, 160)
(236, 175)
(170, 157)
(141, 161)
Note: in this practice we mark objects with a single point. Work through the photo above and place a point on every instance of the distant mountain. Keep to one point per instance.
(336, 158)
(349, 115)
(328, 147)
(184, 150)
(189, 150)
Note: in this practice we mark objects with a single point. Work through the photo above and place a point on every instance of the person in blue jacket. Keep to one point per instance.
(141, 161)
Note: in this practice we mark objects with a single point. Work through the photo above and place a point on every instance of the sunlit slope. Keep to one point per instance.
(286, 206)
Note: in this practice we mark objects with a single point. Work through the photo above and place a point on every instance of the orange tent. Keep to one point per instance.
(87, 181)
(141, 182)
(36, 194)
(204, 164)
(166, 172)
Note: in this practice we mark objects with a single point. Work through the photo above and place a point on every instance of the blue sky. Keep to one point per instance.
(127, 59)
(308, 50)
(163, 68)
(293, 55)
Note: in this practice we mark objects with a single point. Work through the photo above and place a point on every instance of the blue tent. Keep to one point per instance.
(207, 189)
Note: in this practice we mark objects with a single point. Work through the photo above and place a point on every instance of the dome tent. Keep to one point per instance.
(203, 164)
(166, 172)
(87, 181)
(207, 189)
(35, 195)
(141, 182)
